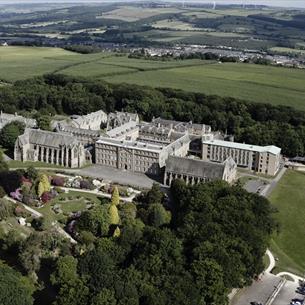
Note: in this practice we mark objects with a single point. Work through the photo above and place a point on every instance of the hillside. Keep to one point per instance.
(257, 83)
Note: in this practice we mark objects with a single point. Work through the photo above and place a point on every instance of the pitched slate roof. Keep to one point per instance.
(195, 167)
(79, 131)
(46, 138)
(269, 149)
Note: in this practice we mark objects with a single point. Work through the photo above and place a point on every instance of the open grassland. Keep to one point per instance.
(210, 13)
(130, 13)
(256, 83)
(289, 198)
(174, 25)
(18, 63)
(282, 50)
(25, 62)
(250, 82)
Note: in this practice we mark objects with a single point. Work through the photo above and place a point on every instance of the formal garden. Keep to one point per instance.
(40, 200)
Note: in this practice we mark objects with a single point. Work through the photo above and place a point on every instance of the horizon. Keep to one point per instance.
(276, 3)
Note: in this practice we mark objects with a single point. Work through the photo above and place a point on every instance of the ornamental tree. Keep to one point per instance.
(43, 185)
(114, 215)
(115, 198)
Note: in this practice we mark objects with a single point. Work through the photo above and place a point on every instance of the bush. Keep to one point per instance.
(6, 209)
(16, 194)
(20, 211)
(10, 181)
(58, 190)
(2, 192)
(46, 197)
(28, 199)
(86, 184)
(58, 181)
(39, 224)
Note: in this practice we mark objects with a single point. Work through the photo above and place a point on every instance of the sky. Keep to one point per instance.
(282, 3)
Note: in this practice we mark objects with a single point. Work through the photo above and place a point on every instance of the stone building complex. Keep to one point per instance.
(194, 171)
(6, 118)
(49, 147)
(167, 148)
(261, 159)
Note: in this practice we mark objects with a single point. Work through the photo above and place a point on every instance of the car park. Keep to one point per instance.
(296, 303)
(301, 290)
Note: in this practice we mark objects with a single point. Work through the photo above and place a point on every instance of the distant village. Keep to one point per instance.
(225, 51)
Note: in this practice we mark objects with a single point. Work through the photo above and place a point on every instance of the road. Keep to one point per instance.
(29, 209)
(260, 291)
(271, 261)
(111, 174)
(269, 188)
(99, 193)
(35, 213)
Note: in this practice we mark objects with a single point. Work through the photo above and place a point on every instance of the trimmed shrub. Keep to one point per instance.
(58, 181)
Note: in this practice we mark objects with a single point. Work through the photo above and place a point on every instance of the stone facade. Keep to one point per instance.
(159, 146)
(49, 147)
(133, 156)
(129, 131)
(6, 118)
(183, 127)
(92, 121)
(84, 136)
(117, 119)
(261, 159)
(194, 171)
(154, 134)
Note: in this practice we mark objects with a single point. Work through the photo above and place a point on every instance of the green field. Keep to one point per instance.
(24, 62)
(129, 13)
(288, 245)
(275, 85)
(281, 50)
(250, 82)
(174, 25)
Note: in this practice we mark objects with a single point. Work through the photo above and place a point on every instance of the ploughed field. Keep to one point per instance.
(256, 83)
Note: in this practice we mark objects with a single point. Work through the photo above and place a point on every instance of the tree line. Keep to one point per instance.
(213, 240)
(254, 123)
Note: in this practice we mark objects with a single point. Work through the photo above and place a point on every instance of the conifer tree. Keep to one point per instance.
(115, 198)
(114, 215)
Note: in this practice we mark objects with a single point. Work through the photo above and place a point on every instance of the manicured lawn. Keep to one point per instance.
(289, 246)
(20, 164)
(71, 202)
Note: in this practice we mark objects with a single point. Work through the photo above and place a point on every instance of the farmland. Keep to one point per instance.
(288, 245)
(130, 14)
(250, 82)
(22, 62)
(257, 83)
(145, 23)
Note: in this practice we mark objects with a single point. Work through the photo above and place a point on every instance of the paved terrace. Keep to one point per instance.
(114, 175)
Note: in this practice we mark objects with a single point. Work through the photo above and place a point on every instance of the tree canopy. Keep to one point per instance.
(213, 241)
(9, 133)
(14, 288)
(255, 123)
